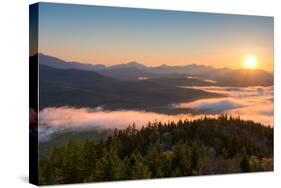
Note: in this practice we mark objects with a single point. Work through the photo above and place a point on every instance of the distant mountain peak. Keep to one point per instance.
(164, 65)
(136, 64)
(59, 63)
(131, 64)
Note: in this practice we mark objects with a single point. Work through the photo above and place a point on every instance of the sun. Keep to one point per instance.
(250, 62)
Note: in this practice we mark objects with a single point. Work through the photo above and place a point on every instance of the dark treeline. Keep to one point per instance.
(198, 147)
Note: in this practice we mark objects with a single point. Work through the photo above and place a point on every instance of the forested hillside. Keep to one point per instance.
(185, 148)
(77, 88)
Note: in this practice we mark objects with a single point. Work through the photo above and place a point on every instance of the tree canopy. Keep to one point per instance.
(184, 148)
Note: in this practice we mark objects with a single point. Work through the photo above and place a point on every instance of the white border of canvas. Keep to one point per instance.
(14, 91)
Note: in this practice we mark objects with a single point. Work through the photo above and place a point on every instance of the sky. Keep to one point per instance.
(108, 35)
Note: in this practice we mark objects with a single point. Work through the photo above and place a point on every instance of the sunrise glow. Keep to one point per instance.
(250, 62)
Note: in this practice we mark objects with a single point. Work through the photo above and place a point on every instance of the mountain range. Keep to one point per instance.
(135, 70)
(133, 86)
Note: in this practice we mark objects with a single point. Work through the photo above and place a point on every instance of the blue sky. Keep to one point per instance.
(111, 35)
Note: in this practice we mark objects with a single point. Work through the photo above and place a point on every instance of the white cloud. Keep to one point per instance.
(67, 117)
(251, 103)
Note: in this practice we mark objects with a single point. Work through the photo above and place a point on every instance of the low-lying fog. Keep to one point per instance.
(250, 103)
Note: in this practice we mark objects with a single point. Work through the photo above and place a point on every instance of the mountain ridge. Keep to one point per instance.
(136, 71)
(139, 65)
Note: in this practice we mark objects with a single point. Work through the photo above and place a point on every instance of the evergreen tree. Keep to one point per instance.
(203, 146)
(245, 164)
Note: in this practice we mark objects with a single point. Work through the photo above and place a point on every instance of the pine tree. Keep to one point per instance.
(245, 164)
(135, 167)
(153, 159)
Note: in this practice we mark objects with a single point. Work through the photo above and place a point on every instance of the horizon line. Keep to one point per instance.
(137, 62)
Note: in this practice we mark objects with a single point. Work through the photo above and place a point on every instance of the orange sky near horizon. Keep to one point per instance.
(110, 35)
(234, 58)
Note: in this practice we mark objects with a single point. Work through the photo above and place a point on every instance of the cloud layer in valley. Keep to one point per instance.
(250, 103)
(54, 120)
(68, 117)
